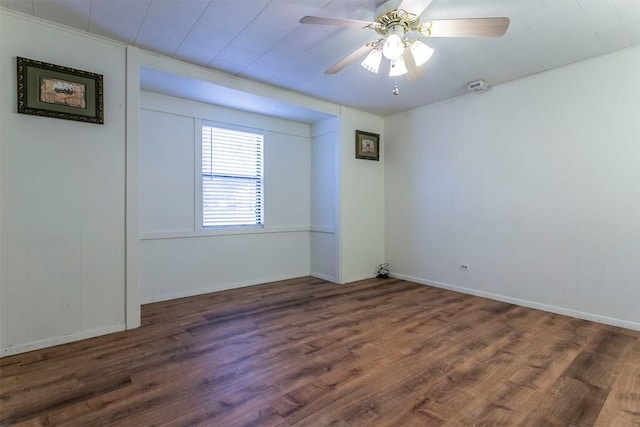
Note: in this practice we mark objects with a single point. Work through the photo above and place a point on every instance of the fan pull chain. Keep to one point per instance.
(395, 90)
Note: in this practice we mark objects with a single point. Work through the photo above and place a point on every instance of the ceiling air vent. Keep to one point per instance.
(477, 86)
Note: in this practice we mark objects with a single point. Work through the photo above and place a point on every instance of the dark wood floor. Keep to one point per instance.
(307, 352)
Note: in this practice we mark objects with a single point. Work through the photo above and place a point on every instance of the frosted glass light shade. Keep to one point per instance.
(421, 52)
(372, 61)
(398, 67)
(393, 47)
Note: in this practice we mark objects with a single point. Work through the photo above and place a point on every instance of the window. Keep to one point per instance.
(231, 178)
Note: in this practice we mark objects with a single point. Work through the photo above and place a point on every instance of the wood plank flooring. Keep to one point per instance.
(310, 353)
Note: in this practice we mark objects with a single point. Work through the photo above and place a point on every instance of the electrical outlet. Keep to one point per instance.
(464, 267)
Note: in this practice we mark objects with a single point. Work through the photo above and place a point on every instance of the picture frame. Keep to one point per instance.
(367, 145)
(59, 92)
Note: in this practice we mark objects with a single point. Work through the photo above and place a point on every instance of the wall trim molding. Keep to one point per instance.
(65, 339)
(358, 278)
(217, 288)
(132, 185)
(324, 277)
(322, 229)
(187, 234)
(525, 303)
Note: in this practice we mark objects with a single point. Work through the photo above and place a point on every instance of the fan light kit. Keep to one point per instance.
(405, 54)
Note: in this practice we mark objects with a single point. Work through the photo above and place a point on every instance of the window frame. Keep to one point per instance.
(199, 226)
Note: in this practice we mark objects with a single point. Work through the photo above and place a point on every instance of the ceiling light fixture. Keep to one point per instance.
(372, 61)
(406, 54)
(421, 52)
(398, 67)
(393, 45)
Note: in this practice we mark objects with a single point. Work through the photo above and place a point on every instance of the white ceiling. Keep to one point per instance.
(262, 40)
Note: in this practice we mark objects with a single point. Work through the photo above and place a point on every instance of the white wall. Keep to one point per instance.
(63, 275)
(325, 199)
(362, 200)
(177, 257)
(535, 185)
(62, 191)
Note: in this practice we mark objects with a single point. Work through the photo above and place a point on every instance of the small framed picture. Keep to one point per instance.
(60, 92)
(367, 145)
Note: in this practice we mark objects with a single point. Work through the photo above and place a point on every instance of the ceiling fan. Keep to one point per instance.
(407, 54)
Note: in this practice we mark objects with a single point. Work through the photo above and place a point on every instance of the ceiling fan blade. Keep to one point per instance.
(414, 6)
(349, 59)
(472, 27)
(336, 21)
(413, 71)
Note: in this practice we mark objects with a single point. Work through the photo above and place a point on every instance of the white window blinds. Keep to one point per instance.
(232, 167)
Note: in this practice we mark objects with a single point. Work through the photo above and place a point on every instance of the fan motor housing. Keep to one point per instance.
(396, 18)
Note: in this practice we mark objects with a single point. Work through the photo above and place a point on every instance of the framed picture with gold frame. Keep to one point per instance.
(60, 92)
(367, 145)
